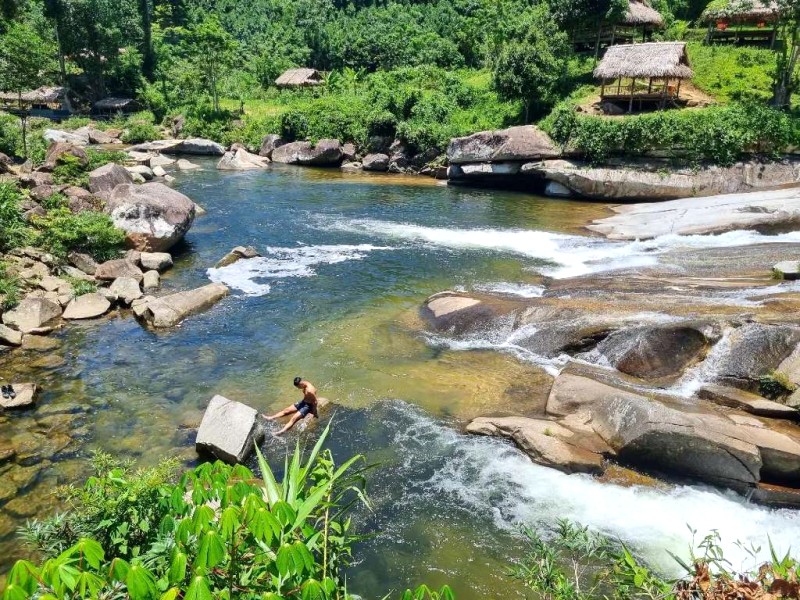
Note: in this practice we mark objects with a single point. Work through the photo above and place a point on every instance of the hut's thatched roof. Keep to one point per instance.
(42, 95)
(654, 59)
(298, 77)
(742, 11)
(115, 104)
(641, 13)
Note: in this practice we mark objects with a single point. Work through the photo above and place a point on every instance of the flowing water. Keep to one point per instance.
(347, 261)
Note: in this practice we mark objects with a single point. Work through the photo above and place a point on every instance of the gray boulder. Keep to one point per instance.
(126, 289)
(31, 314)
(158, 261)
(10, 337)
(236, 254)
(375, 162)
(755, 350)
(143, 170)
(522, 143)
(229, 430)
(154, 216)
(202, 147)
(120, 267)
(84, 262)
(168, 311)
(242, 160)
(326, 153)
(151, 281)
(88, 306)
(653, 352)
(68, 137)
(100, 137)
(104, 179)
(269, 143)
(746, 401)
(57, 150)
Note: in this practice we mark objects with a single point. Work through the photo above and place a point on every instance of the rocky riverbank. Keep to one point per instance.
(687, 369)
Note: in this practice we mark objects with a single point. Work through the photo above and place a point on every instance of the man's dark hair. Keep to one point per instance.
(297, 381)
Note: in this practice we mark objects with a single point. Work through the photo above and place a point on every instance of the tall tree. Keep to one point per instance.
(212, 50)
(787, 78)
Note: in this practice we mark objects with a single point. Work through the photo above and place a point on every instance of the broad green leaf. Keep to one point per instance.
(23, 575)
(316, 450)
(271, 596)
(141, 583)
(303, 559)
(211, 552)
(291, 479)
(89, 584)
(119, 569)
(286, 514)
(198, 590)
(177, 568)
(170, 594)
(67, 575)
(285, 562)
(312, 590)
(229, 522)
(201, 519)
(271, 487)
(15, 592)
(91, 551)
(184, 530)
(264, 526)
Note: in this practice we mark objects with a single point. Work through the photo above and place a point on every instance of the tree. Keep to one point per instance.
(786, 76)
(533, 67)
(212, 50)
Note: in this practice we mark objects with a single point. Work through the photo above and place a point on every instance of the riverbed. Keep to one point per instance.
(347, 262)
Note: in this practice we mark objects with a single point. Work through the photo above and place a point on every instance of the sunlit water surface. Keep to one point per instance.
(347, 261)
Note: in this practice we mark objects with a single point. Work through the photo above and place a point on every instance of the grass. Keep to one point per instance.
(9, 288)
(730, 73)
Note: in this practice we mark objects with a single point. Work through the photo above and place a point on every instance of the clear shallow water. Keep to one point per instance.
(347, 262)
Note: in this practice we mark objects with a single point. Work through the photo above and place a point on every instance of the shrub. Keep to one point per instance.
(98, 158)
(93, 233)
(718, 134)
(70, 171)
(10, 135)
(81, 287)
(9, 288)
(14, 231)
(138, 133)
(74, 123)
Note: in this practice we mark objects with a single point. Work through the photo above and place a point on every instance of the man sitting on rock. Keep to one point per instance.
(306, 406)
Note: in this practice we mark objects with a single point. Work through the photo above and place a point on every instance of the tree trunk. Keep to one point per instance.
(148, 56)
(24, 136)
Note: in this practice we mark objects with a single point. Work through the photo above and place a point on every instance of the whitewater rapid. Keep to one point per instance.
(492, 479)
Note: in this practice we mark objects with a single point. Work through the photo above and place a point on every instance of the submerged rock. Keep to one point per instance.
(154, 216)
(168, 311)
(236, 254)
(229, 430)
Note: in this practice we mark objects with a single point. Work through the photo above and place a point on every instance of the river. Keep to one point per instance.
(347, 262)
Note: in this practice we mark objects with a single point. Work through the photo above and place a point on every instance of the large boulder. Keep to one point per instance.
(458, 314)
(31, 314)
(546, 442)
(755, 350)
(777, 210)
(202, 147)
(69, 137)
(242, 160)
(126, 289)
(652, 352)
(154, 216)
(325, 153)
(746, 401)
(97, 136)
(649, 182)
(238, 253)
(104, 179)
(24, 397)
(120, 267)
(10, 337)
(88, 306)
(229, 430)
(58, 150)
(525, 142)
(168, 311)
(158, 261)
(269, 143)
(375, 162)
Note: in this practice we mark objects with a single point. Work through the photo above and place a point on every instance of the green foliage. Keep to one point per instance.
(731, 73)
(9, 288)
(423, 592)
(81, 287)
(14, 231)
(98, 158)
(24, 57)
(137, 133)
(60, 232)
(70, 171)
(718, 134)
(775, 385)
(219, 532)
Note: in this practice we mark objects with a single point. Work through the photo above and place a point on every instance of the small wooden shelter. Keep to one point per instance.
(299, 78)
(46, 101)
(638, 24)
(742, 22)
(112, 106)
(643, 75)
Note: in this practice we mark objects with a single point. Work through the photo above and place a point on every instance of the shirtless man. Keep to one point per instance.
(306, 406)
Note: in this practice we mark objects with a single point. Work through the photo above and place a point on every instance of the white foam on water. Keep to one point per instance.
(492, 479)
(247, 275)
(571, 255)
(521, 290)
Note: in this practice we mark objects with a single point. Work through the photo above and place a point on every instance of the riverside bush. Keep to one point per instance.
(14, 231)
(60, 232)
(9, 288)
(718, 134)
(218, 532)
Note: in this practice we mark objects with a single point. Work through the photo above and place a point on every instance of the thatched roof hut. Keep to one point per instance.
(42, 95)
(653, 60)
(742, 11)
(299, 78)
(641, 14)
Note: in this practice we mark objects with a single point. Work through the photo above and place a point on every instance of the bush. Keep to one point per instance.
(9, 288)
(70, 171)
(93, 233)
(138, 133)
(14, 231)
(81, 287)
(718, 134)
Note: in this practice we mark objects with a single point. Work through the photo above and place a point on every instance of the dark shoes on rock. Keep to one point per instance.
(8, 392)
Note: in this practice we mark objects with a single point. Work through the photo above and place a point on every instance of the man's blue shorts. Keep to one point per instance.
(304, 408)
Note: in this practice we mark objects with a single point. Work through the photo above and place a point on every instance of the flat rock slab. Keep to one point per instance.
(746, 401)
(25, 393)
(229, 430)
(763, 211)
(88, 306)
(31, 314)
(168, 311)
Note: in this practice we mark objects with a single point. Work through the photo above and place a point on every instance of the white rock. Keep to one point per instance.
(126, 289)
(158, 261)
(151, 281)
(88, 306)
(229, 430)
